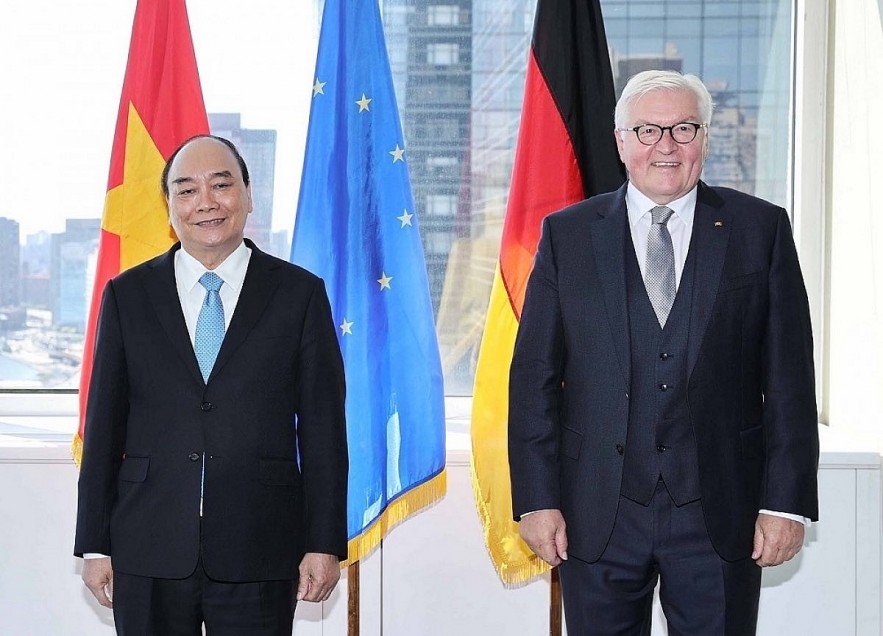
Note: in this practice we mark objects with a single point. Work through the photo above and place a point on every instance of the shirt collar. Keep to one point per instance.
(232, 270)
(639, 205)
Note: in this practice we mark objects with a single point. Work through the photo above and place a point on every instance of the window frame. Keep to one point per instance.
(810, 158)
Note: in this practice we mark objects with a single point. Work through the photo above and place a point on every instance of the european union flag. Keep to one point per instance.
(356, 228)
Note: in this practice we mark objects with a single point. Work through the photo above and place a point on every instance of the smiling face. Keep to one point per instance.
(208, 200)
(667, 170)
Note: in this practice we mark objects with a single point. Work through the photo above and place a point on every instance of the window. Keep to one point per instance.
(441, 205)
(459, 75)
(443, 53)
(443, 15)
(438, 242)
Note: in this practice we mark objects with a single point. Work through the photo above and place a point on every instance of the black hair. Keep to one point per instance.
(164, 179)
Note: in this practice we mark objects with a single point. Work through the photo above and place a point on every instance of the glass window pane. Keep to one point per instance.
(458, 68)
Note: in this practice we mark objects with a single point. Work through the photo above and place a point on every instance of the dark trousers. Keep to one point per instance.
(701, 594)
(145, 606)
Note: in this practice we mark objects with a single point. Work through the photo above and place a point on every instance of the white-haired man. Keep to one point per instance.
(663, 418)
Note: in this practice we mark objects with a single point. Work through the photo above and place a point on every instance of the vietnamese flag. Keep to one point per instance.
(161, 106)
(566, 151)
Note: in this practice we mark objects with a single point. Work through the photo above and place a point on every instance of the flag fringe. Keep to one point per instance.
(396, 511)
(513, 574)
(77, 449)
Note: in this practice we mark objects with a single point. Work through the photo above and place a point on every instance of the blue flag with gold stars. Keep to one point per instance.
(357, 229)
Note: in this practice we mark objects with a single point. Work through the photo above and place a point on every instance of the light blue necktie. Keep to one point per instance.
(209, 325)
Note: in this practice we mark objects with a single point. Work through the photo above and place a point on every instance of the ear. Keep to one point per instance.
(250, 202)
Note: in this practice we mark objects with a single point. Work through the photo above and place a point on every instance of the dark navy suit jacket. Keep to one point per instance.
(273, 489)
(750, 379)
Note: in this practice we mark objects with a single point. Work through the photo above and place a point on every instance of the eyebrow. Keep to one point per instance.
(214, 175)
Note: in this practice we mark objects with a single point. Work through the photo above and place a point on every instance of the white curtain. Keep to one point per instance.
(855, 342)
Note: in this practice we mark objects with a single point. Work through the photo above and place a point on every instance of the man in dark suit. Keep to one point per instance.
(213, 483)
(662, 414)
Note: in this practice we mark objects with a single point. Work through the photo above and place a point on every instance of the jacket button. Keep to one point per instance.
(664, 356)
(206, 406)
(663, 387)
(620, 449)
(193, 456)
(661, 448)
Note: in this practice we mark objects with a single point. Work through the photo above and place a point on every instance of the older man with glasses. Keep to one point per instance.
(662, 422)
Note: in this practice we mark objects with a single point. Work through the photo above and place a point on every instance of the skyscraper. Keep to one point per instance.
(430, 46)
(72, 267)
(741, 50)
(459, 71)
(258, 148)
(10, 265)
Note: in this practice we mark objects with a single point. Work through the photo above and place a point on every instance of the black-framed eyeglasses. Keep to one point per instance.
(650, 134)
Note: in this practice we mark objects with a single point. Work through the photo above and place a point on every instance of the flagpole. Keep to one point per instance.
(555, 604)
(352, 599)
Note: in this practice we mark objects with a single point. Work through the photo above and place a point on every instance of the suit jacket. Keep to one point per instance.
(269, 423)
(750, 378)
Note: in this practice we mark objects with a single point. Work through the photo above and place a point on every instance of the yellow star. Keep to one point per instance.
(405, 218)
(346, 327)
(398, 154)
(319, 87)
(363, 103)
(384, 281)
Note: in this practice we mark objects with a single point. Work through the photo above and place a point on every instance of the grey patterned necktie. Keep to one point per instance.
(659, 274)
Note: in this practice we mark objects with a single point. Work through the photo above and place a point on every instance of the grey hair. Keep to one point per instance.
(648, 81)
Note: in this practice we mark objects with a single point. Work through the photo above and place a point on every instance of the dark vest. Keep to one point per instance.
(660, 442)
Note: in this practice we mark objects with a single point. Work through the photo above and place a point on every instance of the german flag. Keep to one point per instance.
(566, 151)
(161, 106)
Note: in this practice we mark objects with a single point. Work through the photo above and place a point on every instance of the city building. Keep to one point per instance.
(10, 264)
(36, 258)
(458, 69)
(430, 47)
(72, 277)
(258, 148)
(736, 48)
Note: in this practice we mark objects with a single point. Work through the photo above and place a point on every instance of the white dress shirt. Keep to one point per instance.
(191, 293)
(680, 226)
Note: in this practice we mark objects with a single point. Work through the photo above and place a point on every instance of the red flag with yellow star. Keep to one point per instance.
(161, 106)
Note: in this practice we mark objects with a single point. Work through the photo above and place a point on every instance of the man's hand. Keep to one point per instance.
(98, 577)
(776, 539)
(319, 573)
(543, 531)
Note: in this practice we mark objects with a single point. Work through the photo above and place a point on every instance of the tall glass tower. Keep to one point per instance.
(742, 51)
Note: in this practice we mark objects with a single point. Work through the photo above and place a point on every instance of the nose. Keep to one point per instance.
(206, 200)
(667, 144)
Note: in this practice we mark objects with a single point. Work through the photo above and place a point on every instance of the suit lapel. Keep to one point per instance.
(608, 245)
(163, 292)
(711, 233)
(258, 287)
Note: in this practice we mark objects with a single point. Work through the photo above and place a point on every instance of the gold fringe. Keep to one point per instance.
(513, 573)
(514, 562)
(397, 511)
(77, 449)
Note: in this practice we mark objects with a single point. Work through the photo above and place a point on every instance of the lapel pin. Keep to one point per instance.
(718, 224)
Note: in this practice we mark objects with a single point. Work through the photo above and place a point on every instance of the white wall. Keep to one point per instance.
(433, 576)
